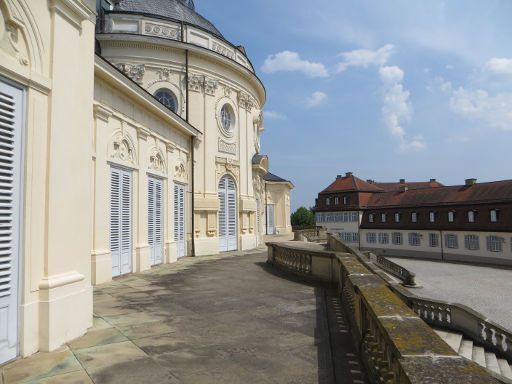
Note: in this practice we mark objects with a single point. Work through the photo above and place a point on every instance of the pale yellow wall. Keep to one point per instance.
(278, 194)
(56, 220)
(120, 115)
(213, 81)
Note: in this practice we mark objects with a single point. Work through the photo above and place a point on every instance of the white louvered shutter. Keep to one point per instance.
(179, 219)
(151, 219)
(120, 221)
(223, 241)
(115, 220)
(11, 107)
(227, 214)
(270, 219)
(155, 220)
(126, 223)
(158, 222)
(232, 215)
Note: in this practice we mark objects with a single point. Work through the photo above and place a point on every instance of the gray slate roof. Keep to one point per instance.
(181, 10)
(274, 178)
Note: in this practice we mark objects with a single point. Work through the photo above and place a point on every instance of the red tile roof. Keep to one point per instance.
(388, 187)
(497, 191)
(350, 183)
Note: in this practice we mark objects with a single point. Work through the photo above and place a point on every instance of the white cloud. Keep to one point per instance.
(499, 66)
(365, 57)
(391, 75)
(316, 99)
(493, 111)
(274, 115)
(397, 109)
(444, 85)
(288, 61)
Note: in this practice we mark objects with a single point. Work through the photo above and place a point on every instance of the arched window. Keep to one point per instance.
(168, 99)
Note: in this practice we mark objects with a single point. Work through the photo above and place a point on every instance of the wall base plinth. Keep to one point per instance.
(65, 309)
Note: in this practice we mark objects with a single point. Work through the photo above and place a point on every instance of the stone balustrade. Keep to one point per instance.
(313, 235)
(461, 319)
(408, 278)
(395, 344)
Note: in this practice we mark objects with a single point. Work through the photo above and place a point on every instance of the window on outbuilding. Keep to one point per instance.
(451, 216)
(494, 216)
(471, 216)
(414, 217)
(432, 217)
(472, 242)
(495, 243)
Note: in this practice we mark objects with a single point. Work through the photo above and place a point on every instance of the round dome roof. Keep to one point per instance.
(181, 10)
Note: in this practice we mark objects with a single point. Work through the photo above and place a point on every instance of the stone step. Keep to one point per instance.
(451, 338)
(491, 362)
(466, 349)
(478, 355)
(505, 368)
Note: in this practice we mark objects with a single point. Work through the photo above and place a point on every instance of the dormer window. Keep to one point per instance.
(336, 201)
(328, 201)
(414, 217)
(371, 218)
(345, 200)
(383, 217)
(451, 216)
(494, 216)
(432, 217)
(471, 216)
(397, 217)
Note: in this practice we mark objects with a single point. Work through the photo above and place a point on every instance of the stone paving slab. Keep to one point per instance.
(221, 319)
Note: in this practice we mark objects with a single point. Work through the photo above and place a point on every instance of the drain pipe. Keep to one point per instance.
(192, 154)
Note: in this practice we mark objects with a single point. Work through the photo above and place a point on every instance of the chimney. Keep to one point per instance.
(402, 181)
(470, 182)
(433, 180)
(338, 176)
(370, 181)
(348, 174)
(404, 188)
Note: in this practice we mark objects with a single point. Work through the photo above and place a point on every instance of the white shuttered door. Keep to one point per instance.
(155, 187)
(121, 221)
(227, 214)
(179, 219)
(270, 219)
(11, 109)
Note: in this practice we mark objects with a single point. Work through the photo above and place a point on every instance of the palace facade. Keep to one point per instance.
(129, 137)
(465, 223)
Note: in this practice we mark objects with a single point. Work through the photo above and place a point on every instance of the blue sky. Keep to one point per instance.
(386, 89)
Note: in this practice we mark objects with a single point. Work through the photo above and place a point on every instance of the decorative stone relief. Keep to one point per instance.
(224, 51)
(227, 91)
(180, 171)
(225, 165)
(245, 101)
(163, 73)
(156, 160)
(123, 149)
(210, 86)
(227, 147)
(259, 121)
(195, 82)
(11, 40)
(134, 72)
(167, 32)
(212, 233)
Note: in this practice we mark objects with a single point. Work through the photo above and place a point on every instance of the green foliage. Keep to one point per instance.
(303, 218)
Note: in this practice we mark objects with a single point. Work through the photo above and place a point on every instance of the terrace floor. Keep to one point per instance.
(222, 319)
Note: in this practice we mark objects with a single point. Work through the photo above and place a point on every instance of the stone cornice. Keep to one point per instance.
(74, 11)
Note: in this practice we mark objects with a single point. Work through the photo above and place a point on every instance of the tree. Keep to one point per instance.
(303, 218)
